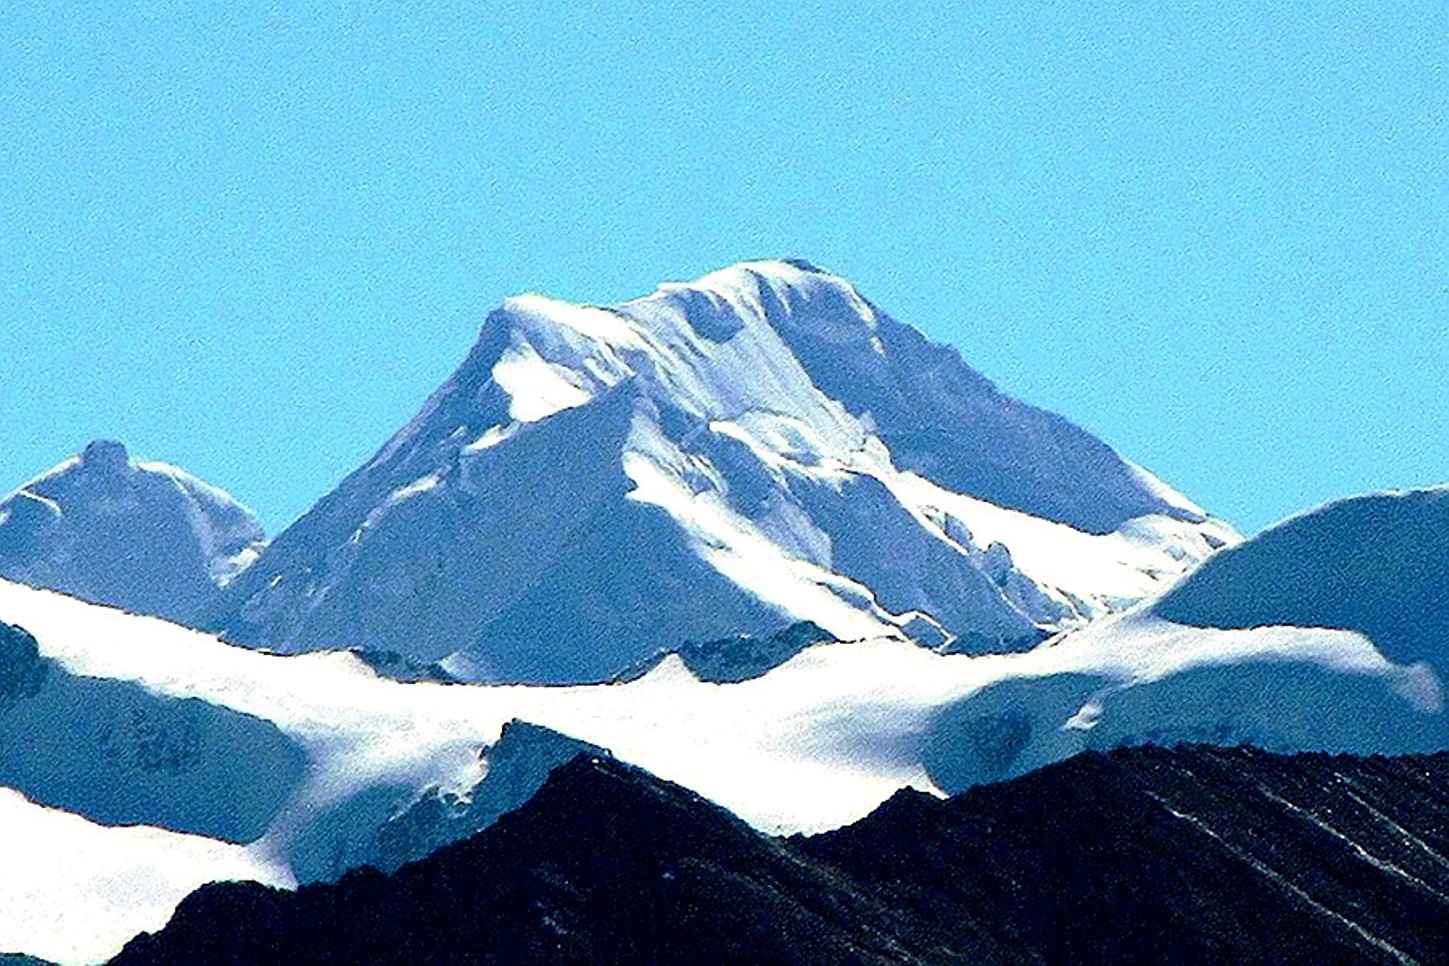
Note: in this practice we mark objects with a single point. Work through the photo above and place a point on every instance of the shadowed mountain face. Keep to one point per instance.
(1376, 564)
(945, 420)
(1185, 854)
(121, 755)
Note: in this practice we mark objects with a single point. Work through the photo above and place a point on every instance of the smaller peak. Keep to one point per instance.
(105, 453)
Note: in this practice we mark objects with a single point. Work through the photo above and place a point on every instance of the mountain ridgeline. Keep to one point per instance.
(1145, 854)
(763, 529)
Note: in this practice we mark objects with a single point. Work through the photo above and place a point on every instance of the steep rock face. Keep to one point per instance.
(753, 449)
(742, 657)
(517, 766)
(142, 536)
(1186, 854)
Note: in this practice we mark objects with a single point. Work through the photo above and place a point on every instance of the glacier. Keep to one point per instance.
(760, 447)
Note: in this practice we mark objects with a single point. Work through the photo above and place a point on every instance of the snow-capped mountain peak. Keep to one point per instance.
(731, 455)
(144, 536)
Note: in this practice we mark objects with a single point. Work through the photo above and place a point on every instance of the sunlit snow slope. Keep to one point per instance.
(143, 536)
(758, 447)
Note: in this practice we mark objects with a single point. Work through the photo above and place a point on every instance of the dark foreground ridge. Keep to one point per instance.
(1145, 854)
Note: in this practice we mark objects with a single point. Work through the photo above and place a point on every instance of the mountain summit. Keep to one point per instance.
(143, 536)
(757, 447)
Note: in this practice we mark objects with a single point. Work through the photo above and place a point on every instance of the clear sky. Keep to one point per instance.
(251, 241)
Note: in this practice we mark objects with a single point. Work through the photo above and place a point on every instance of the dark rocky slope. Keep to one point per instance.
(1144, 854)
(605, 864)
(1187, 854)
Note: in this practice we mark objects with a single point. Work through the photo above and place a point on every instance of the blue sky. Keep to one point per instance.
(250, 241)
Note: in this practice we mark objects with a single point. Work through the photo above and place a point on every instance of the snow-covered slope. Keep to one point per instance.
(812, 744)
(1377, 564)
(74, 890)
(1374, 568)
(143, 536)
(121, 753)
(759, 447)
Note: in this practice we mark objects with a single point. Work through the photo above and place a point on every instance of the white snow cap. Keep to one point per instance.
(757, 447)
